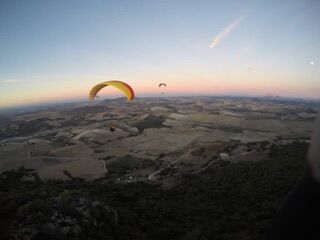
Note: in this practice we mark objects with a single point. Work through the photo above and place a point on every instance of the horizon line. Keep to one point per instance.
(84, 100)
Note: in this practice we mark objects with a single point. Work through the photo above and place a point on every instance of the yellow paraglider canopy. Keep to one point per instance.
(125, 88)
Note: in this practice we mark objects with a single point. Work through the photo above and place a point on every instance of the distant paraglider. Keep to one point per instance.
(162, 85)
(123, 87)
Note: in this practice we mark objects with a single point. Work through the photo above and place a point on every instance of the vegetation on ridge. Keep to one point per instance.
(226, 201)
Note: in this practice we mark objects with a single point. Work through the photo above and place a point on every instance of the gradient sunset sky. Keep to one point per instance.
(56, 50)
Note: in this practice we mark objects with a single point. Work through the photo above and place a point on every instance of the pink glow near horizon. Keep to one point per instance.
(68, 90)
(187, 91)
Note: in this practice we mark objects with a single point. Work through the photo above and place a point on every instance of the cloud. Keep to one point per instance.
(225, 32)
(14, 81)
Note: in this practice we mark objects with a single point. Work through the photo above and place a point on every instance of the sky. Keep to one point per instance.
(57, 50)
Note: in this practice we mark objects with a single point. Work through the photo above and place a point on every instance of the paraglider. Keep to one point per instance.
(162, 84)
(123, 87)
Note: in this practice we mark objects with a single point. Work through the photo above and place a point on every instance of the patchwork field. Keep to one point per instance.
(150, 138)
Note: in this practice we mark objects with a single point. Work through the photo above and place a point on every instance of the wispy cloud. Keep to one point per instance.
(14, 81)
(225, 32)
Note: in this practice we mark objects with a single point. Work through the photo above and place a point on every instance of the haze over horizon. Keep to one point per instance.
(55, 50)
